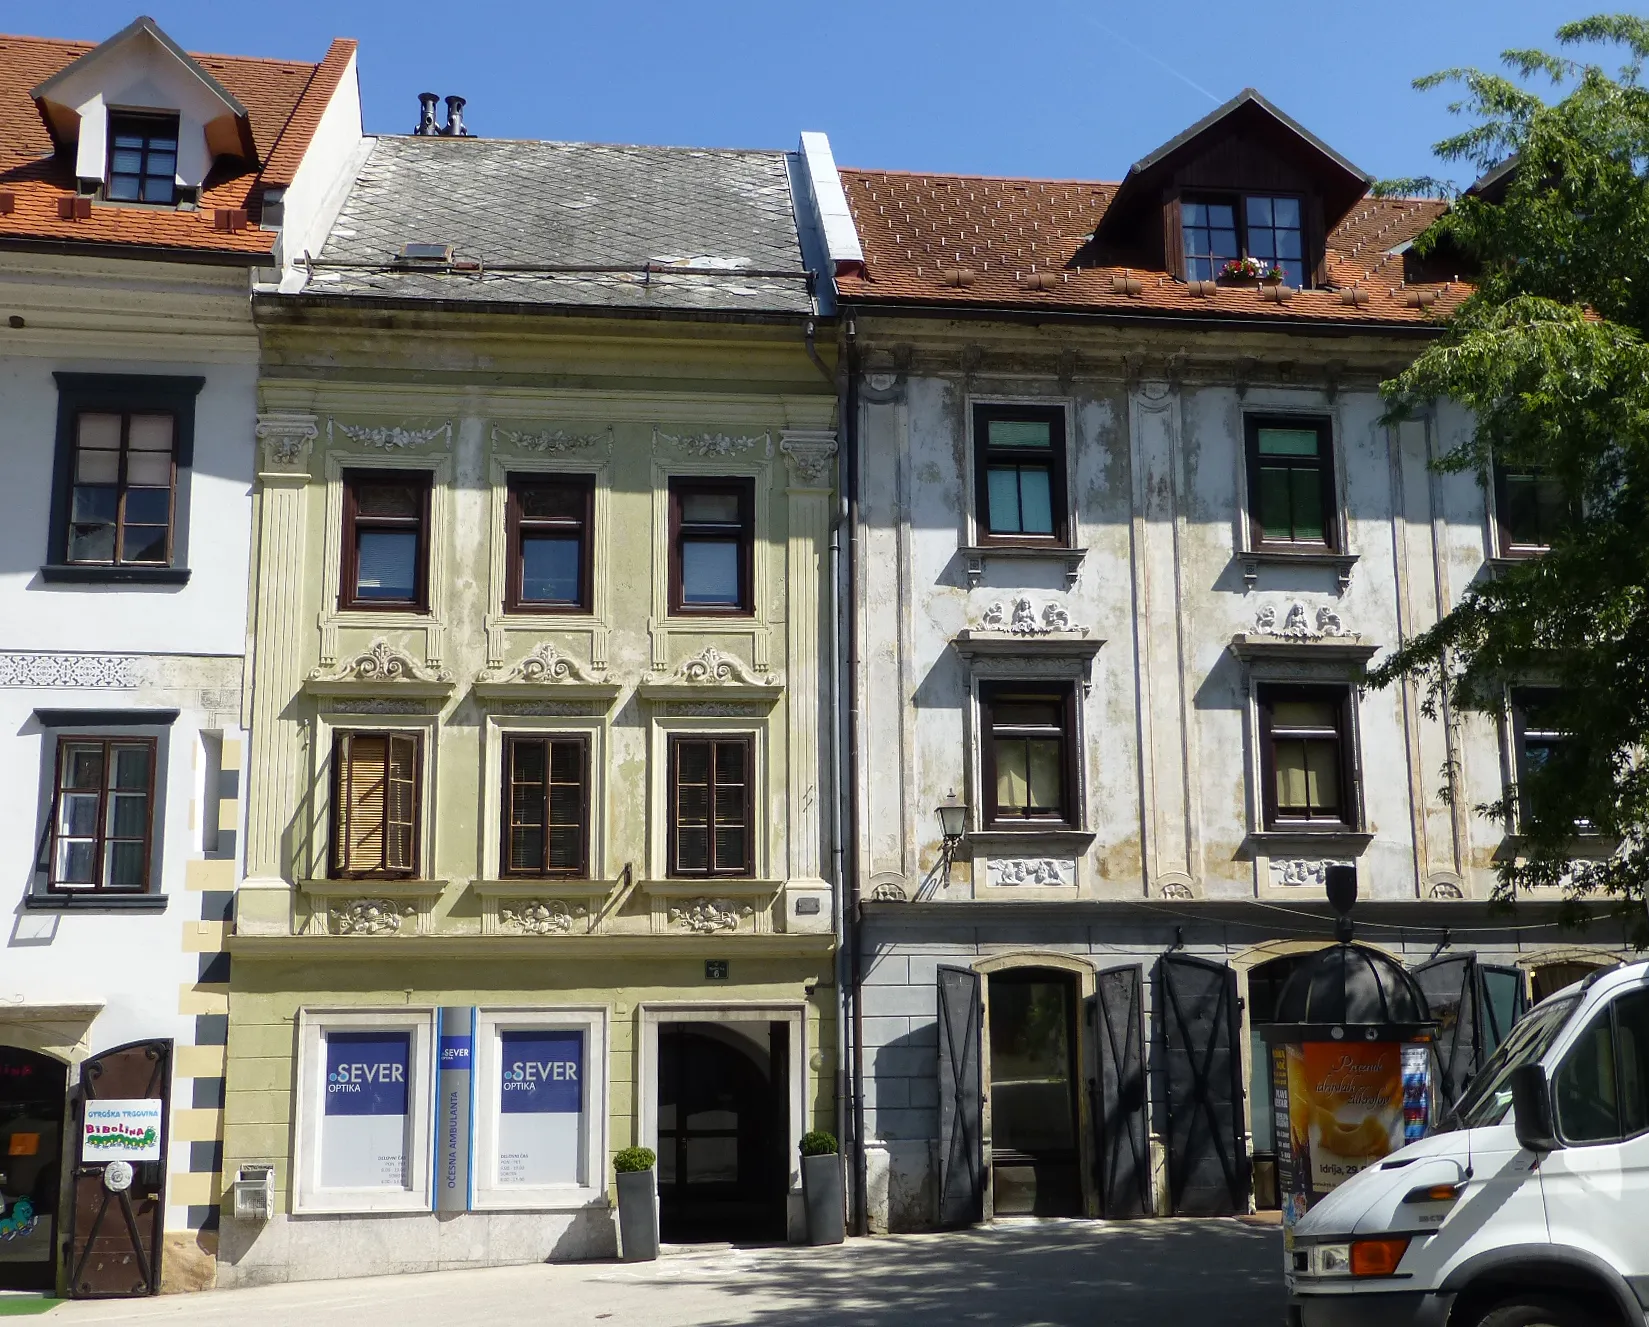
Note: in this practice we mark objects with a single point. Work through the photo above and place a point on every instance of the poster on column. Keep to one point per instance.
(364, 1126)
(540, 1106)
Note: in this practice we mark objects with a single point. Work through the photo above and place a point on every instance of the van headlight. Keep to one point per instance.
(1330, 1260)
(1378, 1256)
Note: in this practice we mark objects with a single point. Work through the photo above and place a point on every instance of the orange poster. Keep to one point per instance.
(1345, 1108)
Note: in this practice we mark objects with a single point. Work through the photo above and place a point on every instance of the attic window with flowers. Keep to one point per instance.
(1251, 238)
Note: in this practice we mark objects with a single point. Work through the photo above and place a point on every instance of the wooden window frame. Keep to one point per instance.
(1238, 201)
(1506, 546)
(54, 887)
(544, 871)
(1267, 694)
(518, 526)
(990, 812)
(1058, 465)
(123, 394)
(1329, 489)
(338, 848)
(353, 523)
(1521, 700)
(673, 866)
(745, 488)
(147, 124)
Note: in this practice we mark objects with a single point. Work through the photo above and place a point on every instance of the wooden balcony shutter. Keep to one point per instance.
(377, 805)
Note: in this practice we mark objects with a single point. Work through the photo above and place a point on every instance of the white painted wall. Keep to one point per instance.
(322, 182)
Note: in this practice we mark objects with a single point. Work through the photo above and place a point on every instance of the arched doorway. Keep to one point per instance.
(722, 1131)
(32, 1091)
(1551, 976)
(1265, 983)
(1035, 1153)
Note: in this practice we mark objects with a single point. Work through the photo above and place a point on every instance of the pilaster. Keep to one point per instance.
(810, 454)
(274, 769)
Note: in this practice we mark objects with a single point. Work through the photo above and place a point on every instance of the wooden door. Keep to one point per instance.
(115, 1228)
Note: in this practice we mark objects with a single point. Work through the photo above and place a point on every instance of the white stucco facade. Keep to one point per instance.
(1168, 626)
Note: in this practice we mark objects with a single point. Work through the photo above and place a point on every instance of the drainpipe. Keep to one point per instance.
(850, 953)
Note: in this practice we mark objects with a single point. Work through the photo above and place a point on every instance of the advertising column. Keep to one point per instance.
(364, 1128)
(540, 1104)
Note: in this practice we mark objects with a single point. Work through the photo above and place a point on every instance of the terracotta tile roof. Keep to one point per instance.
(283, 99)
(962, 241)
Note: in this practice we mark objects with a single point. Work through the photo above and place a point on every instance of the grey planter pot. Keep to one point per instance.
(637, 1215)
(822, 1195)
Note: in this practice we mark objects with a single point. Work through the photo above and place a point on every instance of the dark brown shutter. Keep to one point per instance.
(1115, 1020)
(961, 1099)
(1202, 1077)
(1173, 237)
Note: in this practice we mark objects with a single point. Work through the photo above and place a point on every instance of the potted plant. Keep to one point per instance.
(1243, 269)
(822, 1188)
(1274, 275)
(637, 1204)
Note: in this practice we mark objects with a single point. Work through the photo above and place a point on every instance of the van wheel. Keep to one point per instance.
(1535, 1312)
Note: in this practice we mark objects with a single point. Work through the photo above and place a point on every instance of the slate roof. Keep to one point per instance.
(577, 224)
(284, 100)
(970, 241)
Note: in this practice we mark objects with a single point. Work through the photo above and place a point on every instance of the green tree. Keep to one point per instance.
(1549, 353)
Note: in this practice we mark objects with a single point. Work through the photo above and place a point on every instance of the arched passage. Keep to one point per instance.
(32, 1093)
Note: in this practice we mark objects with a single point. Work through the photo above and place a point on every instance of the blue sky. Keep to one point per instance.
(1054, 88)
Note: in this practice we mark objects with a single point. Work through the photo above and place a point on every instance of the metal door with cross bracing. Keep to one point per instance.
(1114, 1017)
(1202, 1082)
(115, 1226)
(961, 1099)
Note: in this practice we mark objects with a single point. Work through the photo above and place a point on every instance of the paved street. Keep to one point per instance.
(1018, 1274)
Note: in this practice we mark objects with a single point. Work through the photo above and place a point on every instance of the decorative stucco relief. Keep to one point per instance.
(540, 916)
(377, 705)
(809, 453)
(1176, 889)
(1299, 872)
(724, 445)
(1022, 619)
(1443, 889)
(707, 916)
(711, 668)
(1030, 871)
(381, 662)
(112, 671)
(286, 440)
(389, 439)
(888, 892)
(552, 441)
(1298, 623)
(369, 916)
(543, 663)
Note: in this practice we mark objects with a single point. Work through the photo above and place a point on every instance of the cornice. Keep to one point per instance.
(533, 948)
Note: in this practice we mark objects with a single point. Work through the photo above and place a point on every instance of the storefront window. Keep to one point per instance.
(364, 1112)
(540, 1113)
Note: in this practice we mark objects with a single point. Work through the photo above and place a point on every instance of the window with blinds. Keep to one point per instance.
(375, 804)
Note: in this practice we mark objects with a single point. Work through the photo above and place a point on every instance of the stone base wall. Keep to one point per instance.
(319, 1248)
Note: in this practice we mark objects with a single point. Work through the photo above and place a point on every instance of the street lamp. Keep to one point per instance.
(953, 824)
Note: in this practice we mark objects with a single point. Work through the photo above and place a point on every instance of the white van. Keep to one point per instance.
(1529, 1207)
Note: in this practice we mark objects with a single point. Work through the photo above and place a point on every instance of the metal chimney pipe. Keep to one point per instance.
(454, 127)
(426, 116)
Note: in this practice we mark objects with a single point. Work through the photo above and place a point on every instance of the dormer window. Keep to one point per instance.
(1266, 228)
(142, 159)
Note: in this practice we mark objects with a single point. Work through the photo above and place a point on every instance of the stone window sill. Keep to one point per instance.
(95, 902)
(1253, 559)
(59, 573)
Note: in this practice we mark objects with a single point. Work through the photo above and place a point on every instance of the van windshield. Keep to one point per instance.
(1486, 1100)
